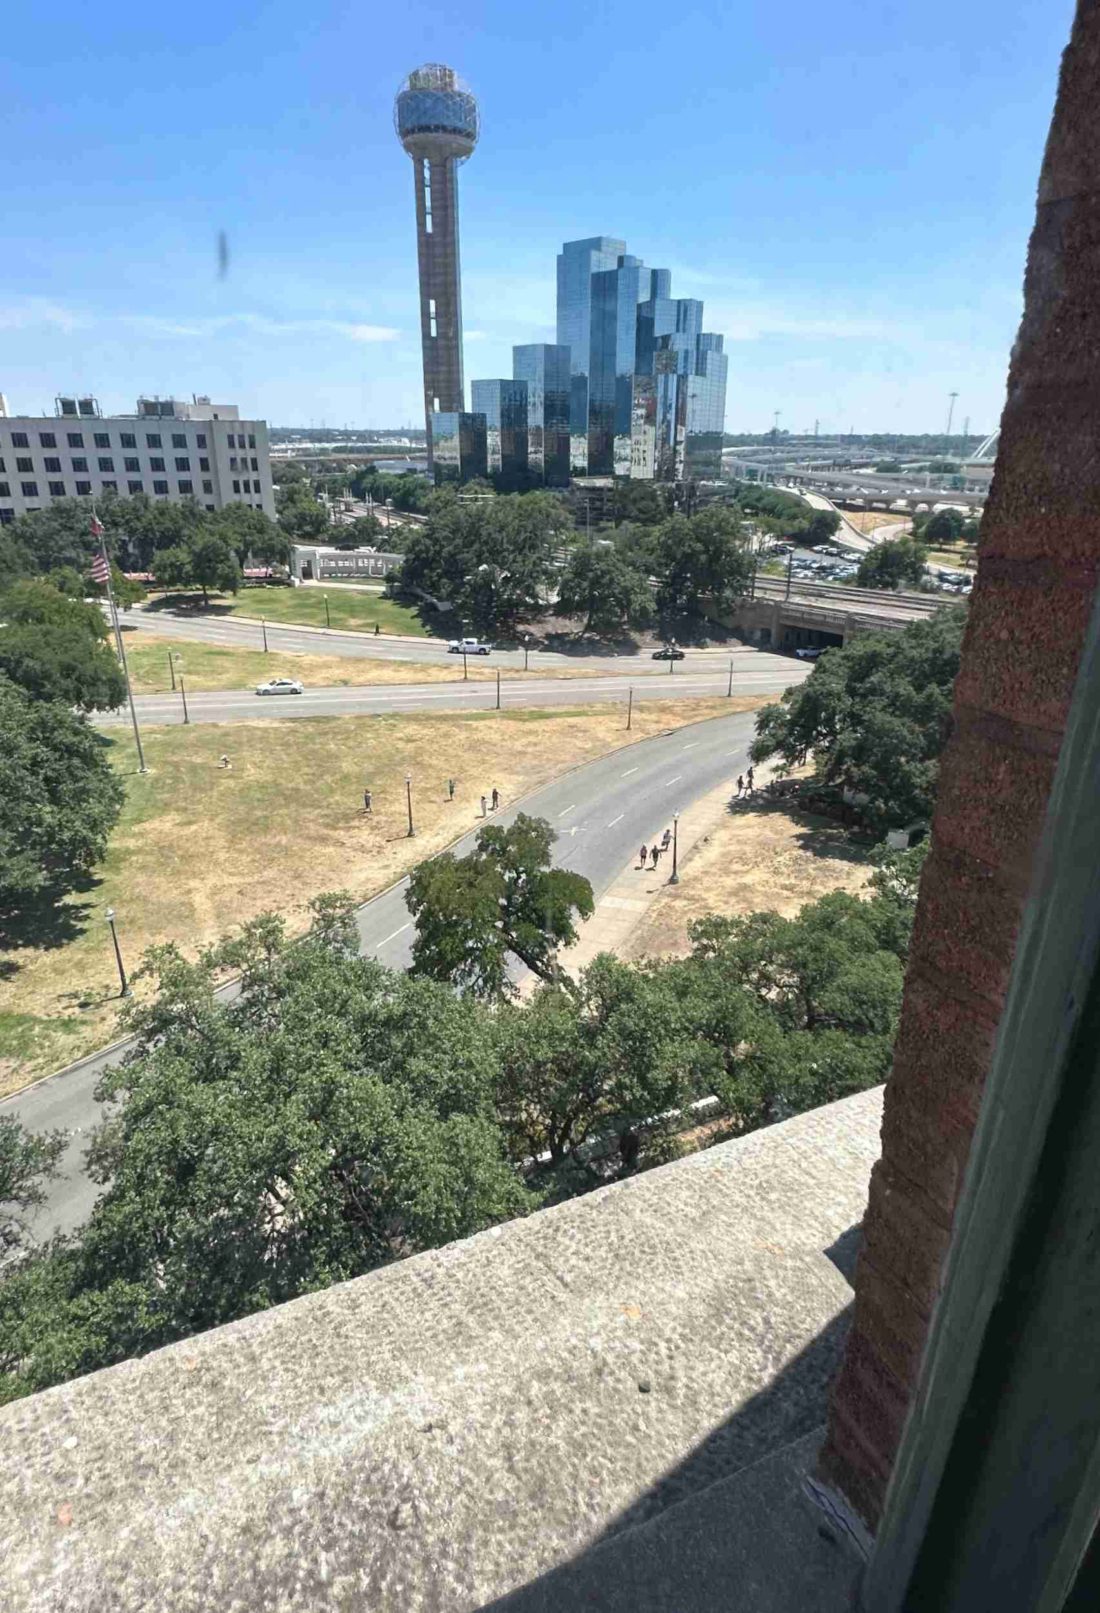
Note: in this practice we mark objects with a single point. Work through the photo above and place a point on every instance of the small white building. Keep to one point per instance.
(167, 449)
(317, 562)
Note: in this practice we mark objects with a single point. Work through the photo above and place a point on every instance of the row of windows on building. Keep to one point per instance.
(83, 489)
(52, 466)
(128, 439)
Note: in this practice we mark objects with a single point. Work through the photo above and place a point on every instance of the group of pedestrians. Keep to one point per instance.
(655, 851)
(486, 808)
(368, 797)
(746, 784)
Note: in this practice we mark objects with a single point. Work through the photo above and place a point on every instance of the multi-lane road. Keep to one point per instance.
(601, 813)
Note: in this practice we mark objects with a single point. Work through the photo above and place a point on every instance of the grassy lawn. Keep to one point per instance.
(759, 856)
(868, 520)
(348, 609)
(199, 849)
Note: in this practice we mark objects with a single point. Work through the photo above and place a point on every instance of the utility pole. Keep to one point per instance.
(674, 878)
(183, 697)
(630, 708)
(498, 688)
(409, 800)
(123, 982)
(263, 625)
(729, 691)
(950, 413)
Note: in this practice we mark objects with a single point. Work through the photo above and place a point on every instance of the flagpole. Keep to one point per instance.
(121, 647)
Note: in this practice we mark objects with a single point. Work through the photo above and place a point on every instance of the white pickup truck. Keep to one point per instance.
(468, 646)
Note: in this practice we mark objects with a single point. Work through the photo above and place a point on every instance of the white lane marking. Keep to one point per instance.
(628, 772)
(567, 809)
(614, 821)
(394, 936)
(675, 780)
(692, 746)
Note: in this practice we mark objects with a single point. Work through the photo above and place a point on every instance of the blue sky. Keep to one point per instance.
(849, 187)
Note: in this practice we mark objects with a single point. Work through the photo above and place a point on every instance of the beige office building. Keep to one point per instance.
(167, 450)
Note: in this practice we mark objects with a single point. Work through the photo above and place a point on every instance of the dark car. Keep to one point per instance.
(669, 653)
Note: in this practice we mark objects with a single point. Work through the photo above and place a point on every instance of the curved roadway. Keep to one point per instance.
(601, 811)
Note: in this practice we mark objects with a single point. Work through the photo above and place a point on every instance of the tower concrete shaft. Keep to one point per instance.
(436, 184)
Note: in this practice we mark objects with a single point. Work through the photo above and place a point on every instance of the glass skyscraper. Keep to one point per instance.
(504, 405)
(459, 441)
(578, 261)
(544, 366)
(613, 359)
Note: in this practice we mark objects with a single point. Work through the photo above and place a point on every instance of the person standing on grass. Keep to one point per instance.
(642, 855)
(367, 802)
(484, 808)
(740, 786)
(450, 789)
(377, 629)
(750, 775)
(496, 798)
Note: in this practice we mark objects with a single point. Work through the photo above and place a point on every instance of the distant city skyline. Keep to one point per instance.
(851, 203)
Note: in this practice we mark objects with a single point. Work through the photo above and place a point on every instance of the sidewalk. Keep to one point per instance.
(629, 897)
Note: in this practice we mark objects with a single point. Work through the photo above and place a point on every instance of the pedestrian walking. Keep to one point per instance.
(642, 855)
(666, 839)
(750, 775)
(450, 789)
(377, 629)
(655, 853)
(740, 785)
(484, 808)
(368, 800)
(496, 798)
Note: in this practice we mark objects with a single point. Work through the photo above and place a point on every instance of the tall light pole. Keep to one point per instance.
(674, 877)
(950, 413)
(409, 800)
(123, 982)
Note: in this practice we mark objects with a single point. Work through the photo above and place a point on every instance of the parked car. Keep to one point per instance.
(280, 686)
(810, 652)
(468, 646)
(669, 653)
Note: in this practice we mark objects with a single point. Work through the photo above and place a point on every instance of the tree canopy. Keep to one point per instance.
(602, 584)
(875, 715)
(492, 558)
(59, 798)
(27, 1162)
(205, 560)
(698, 557)
(897, 563)
(56, 647)
(504, 900)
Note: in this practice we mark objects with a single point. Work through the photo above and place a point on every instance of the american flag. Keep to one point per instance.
(100, 568)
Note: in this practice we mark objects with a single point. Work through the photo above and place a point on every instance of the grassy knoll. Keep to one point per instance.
(198, 849)
(348, 609)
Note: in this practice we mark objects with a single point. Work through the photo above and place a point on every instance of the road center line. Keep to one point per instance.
(394, 936)
(628, 772)
(614, 821)
(692, 746)
(675, 780)
(567, 809)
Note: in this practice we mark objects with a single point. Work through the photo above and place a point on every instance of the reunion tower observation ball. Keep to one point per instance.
(435, 115)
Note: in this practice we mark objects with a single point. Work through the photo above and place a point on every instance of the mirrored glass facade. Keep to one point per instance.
(504, 405)
(544, 366)
(461, 449)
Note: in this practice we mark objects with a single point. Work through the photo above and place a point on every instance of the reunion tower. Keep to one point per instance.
(436, 119)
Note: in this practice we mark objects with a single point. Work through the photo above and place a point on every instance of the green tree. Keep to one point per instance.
(503, 900)
(643, 503)
(600, 584)
(701, 557)
(606, 1061)
(893, 564)
(206, 561)
(875, 716)
(27, 1161)
(59, 798)
(56, 648)
(822, 525)
(257, 1149)
(251, 534)
(302, 518)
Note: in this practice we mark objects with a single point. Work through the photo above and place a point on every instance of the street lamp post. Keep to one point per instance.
(729, 691)
(123, 982)
(630, 708)
(409, 800)
(465, 668)
(328, 617)
(183, 697)
(498, 688)
(671, 656)
(526, 649)
(263, 625)
(172, 669)
(674, 877)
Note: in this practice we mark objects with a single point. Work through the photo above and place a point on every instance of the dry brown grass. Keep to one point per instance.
(758, 856)
(868, 520)
(200, 849)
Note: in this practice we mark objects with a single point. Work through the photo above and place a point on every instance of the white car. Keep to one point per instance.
(468, 646)
(280, 686)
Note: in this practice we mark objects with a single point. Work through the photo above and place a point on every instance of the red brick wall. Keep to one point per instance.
(1037, 574)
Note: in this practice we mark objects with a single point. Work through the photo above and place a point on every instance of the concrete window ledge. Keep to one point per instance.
(473, 1421)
